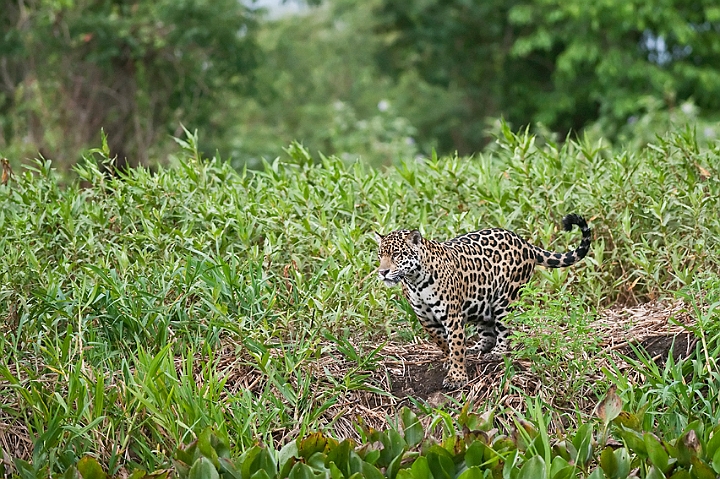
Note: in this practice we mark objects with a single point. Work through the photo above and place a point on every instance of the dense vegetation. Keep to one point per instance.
(382, 79)
(218, 314)
(142, 308)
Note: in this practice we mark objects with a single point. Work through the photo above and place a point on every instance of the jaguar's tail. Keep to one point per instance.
(560, 260)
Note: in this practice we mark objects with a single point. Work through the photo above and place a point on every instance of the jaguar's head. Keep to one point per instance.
(398, 252)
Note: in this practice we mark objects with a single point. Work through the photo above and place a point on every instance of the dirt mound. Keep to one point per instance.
(658, 328)
(659, 347)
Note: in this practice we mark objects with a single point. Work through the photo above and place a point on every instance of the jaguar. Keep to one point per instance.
(470, 279)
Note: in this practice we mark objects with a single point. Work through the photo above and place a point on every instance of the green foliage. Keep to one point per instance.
(557, 349)
(563, 64)
(318, 85)
(605, 56)
(380, 79)
(677, 394)
(136, 69)
(124, 296)
(524, 452)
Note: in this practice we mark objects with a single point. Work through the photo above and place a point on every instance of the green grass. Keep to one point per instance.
(124, 297)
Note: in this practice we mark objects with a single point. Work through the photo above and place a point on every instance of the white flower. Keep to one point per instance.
(687, 108)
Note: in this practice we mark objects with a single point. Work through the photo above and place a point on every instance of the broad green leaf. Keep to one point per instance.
(228, 469)
(371, 472)
(187, 454)
(412, 429)
(560, 449)
(420, 469)
(441, 465)
(372, 456)
(247, 461)
(315, 442)
(393, 446)
(476, 422)
(355, 463)
(335, 473)
(654, 473)
(286, 457)
(628, 420)
(220, 445)
(558, 463)
(509, 469)
(206, 448)
(203, 469)
(317, 463)
(340, 455)
(266, 462)
(597, 474)
(301, 471)
(681, 474)
(716, 461)
(70, 473)
(567, 472)
(181, 468)
(475, 454)
(713, 444)
(656, 452)
(633, 441)
(700, 470)
(608, 462)
(287, 466)
(89, 468)
(688, 446)
(401, 474)
(473, 472)
(534, 468)
(502, 443)
(583, 444)
(261, 474)
(622, 459)
(395, 466)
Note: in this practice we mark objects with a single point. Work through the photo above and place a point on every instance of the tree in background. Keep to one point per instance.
(563, 63)
(135, 68)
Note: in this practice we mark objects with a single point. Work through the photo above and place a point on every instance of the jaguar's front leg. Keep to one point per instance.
(436, 332)
(455, 332)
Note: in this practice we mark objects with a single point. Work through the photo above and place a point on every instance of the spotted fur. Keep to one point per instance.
(469, 279)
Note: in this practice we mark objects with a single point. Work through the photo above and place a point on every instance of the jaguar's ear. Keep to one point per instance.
(378, 237)
(414, 238)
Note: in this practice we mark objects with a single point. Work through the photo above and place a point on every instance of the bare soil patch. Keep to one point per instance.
(658, 328)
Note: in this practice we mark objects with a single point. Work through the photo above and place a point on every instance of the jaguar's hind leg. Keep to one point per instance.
(500, 311)
(486, 330)
(488, 336)
(501, 343)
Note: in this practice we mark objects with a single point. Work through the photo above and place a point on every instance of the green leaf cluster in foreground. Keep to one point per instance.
(473, 449)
